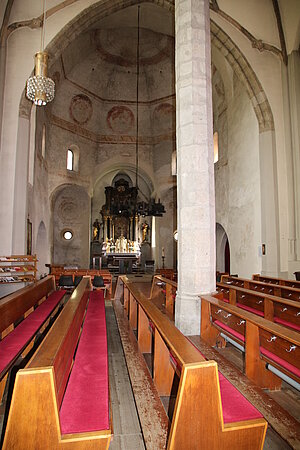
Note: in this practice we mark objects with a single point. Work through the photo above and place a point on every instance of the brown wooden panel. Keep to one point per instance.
(14, 306)
(144, 333)
(163, 369)
(132, 312)
(192, 410)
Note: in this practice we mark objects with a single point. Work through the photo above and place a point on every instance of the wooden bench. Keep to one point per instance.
(279, 281)
(277, 309)
(163, 292)
(60, 401)
(209, 412)
(24, 314)
(288, 292)
(171, 274)
(58, 271)
(272, 352)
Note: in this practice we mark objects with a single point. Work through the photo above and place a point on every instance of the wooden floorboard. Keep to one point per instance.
(126, 425)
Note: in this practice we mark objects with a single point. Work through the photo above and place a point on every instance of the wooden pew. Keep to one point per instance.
(57, 271)
(167, 273)
(24, 314)
(279, 281)
(55, 403)
(277, 309)
(163, 292)
(199, 419)
(264, 342)
(291, 293)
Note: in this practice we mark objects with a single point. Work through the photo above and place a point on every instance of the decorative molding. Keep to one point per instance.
(246, 74)
(109, 139)
(37, 22)
(256, 43)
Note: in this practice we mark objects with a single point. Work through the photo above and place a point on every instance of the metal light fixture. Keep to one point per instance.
(150, 208)
(40, 89)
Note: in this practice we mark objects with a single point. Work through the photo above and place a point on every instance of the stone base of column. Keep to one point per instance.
(188, 313)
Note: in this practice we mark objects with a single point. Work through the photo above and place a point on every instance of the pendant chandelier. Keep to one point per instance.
(40, 89)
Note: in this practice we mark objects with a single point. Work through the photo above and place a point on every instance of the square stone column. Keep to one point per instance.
(195, 166)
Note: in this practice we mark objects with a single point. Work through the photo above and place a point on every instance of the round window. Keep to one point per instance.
(67, 235)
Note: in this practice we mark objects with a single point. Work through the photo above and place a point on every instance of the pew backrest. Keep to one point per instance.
(288, 292)
(259, 338)
(279, 281)
(277, 309)
(43, 382)
(193, 421)
(14, 306)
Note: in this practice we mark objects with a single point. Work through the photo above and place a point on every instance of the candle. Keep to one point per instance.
(163, 252)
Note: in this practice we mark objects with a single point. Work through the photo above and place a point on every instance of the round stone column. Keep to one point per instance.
(195, 166)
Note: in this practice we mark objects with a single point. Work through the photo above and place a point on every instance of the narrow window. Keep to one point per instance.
(70, 160)
(216, 147)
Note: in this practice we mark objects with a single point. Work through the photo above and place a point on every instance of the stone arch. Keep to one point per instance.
(71, 212)
(246, 74)
(41, 249)
(221, 242)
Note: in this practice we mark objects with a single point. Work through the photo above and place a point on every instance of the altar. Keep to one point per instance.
(122, 253)
(124, 261)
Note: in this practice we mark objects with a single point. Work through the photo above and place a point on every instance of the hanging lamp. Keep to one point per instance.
(150, 208)
(40, 89)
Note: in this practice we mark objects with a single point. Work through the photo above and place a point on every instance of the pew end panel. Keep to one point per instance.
(191, 411)
(34, 417)
(196, 413)
(39, 427)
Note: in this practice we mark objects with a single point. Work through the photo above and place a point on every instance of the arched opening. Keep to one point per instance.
(41, 249)
(222, 250)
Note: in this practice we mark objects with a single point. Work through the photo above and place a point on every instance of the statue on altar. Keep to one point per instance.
(96, 230)
(121, 244)
(145, 232)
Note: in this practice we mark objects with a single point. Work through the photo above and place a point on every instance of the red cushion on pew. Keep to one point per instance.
(236, 407)
(230, 330)
(280, 361)
(16, 341)
(85, 406)
(250, 309)
(287, 324)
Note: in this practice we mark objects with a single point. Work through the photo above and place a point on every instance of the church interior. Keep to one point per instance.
(150, 224)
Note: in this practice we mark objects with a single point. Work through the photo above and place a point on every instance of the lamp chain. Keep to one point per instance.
(137, 100)
(44, 26)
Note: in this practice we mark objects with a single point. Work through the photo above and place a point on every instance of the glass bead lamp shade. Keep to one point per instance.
(40, 89)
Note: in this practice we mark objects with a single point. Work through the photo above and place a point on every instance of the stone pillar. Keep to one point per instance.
(131, 228)
(195, 167)
(105, 229)
(136, 231)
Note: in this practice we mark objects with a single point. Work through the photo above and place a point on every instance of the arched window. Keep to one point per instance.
(216, 147)
(70, 160)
